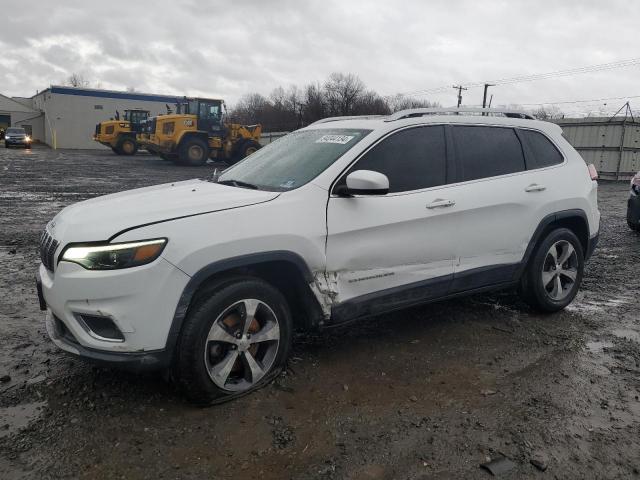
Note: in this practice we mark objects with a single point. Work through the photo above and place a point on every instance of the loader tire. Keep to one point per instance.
(244, 150)
(193, 152)
(127, 146)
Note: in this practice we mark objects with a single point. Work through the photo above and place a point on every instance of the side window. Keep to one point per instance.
(412, 159)
(542, 152)
(487, 151)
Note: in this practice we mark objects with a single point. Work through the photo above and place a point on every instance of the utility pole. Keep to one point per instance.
(459, 88)
(484, 97)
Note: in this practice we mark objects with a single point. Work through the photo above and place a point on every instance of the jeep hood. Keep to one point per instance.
(103, 217)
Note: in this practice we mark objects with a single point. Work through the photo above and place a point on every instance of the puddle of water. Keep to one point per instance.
(597, 306)
(627, 333)
(597, 346)
(13, 419)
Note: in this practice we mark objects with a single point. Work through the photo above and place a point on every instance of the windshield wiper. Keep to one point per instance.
(239, 183)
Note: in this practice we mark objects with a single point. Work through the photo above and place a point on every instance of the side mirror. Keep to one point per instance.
(366, 182)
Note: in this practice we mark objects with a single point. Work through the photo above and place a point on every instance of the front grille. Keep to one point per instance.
(48, 247)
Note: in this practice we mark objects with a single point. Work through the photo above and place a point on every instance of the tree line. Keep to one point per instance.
(340, 94)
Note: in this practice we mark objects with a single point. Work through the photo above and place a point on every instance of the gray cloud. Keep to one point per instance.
(229, 48)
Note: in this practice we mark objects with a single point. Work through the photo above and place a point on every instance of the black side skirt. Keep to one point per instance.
(434, 289)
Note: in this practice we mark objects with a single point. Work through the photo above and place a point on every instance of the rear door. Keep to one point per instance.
(493, 210)
(395, 248)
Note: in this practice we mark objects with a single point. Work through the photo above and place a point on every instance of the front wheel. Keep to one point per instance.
(193, 152)
(128, 146)
(234, 341)
(634, 226)
(554, 273)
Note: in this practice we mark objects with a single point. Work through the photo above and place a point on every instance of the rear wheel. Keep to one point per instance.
(233, 342)
(193, 152)
(246, 149)
(554, 273)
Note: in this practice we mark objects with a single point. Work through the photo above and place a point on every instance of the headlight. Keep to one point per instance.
(27, 138)
(111, 256)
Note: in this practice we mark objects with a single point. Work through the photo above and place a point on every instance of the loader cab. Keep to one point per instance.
(137, 119)
(208, 113)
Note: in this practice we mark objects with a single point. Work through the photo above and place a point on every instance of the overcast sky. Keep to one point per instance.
(230, 48)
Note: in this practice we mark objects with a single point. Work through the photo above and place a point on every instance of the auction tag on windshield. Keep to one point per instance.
(341, 139)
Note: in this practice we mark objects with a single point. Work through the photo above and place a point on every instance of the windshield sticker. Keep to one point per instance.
(288, 184)
(340, 139)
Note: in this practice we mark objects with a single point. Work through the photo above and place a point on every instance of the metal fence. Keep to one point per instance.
(267, 138)
(611, 144)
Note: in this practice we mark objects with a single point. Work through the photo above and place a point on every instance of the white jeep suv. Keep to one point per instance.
(344, 219)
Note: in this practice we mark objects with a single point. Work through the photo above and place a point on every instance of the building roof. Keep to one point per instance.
(10, 105)
(98, 93)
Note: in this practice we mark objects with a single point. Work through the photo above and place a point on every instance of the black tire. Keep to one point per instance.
(115, 150)
(127, 146)
(244, 150)
(193, 152)
(6, 145)
(634, 226)
(553, 296)
(191, 371)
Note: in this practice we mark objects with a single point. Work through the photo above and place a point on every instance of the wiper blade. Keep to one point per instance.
(239, 183)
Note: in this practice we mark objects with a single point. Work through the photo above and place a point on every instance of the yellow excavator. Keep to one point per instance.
(197, 132)
(122, 136)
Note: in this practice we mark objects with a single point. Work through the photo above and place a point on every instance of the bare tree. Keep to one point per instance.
(548, 113)
(342, 92)
(77, 80)
(402, 102)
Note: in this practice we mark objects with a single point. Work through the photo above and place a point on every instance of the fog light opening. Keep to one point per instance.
(100, 328)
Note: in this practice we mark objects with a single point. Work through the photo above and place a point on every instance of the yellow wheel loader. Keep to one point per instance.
(122, 136)
(197, 132)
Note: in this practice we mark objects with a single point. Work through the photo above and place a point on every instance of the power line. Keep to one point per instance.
(533, 77)
(581, 101)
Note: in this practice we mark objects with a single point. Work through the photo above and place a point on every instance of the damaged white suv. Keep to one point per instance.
(344, 219)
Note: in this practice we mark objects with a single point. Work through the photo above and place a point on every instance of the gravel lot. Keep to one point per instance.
(430, 392)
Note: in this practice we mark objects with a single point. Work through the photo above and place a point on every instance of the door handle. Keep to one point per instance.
(439, 203)
(534, 187)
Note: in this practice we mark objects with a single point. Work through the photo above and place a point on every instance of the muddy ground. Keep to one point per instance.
(431, 392)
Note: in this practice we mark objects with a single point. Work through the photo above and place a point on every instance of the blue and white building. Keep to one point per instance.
(65, 117)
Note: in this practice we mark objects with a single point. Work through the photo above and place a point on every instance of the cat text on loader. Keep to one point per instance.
(122, 135)
(197, 132)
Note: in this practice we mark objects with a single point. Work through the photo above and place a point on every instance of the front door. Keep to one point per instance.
(396, 248)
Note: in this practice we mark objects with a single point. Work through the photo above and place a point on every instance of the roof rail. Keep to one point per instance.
(419, 112)
(348, 117)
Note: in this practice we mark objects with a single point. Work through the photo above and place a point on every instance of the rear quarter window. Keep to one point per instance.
(541, 152)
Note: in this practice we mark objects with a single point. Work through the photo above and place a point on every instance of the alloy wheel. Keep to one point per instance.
(242, 345)
(559, 270)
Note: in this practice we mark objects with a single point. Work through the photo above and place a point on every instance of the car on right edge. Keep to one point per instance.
(633, 204)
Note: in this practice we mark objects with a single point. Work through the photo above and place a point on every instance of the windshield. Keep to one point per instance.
(15, 130)
(294, 159)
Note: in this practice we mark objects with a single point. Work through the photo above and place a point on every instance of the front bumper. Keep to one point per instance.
(633, 210)
(17, 141)
(139, 301)
(133, 361)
